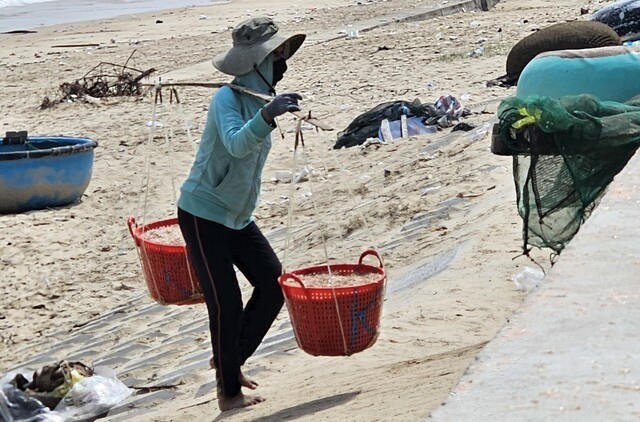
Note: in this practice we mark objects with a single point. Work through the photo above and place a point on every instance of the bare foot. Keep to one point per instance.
(247, 382)
(244, 381)
(228, 403)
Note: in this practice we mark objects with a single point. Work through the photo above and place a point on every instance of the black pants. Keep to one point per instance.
(235, 332)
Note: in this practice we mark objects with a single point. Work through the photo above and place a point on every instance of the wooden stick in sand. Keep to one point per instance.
(302, 115)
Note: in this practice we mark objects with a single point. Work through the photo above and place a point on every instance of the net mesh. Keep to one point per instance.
(565, 153)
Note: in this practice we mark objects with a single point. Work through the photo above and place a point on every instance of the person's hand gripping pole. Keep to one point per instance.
(281, 104)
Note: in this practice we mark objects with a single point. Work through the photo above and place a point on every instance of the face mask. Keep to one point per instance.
(279, 67)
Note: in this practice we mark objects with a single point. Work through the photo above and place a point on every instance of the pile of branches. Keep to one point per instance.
(104, 80)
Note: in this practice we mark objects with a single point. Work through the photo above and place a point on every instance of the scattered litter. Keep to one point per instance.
(479, 132)
(385, 132)
(463, 126)
(364, 179)
(429, 189)
(284, 176)
(303, 126)
(477, 52)
(373, 141)
(528, 279)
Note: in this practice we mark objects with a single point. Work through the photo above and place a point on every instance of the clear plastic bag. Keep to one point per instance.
(415, 127)
(528, 279)
(90, 397)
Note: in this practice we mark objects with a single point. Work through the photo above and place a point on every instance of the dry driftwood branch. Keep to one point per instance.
(130, 55)
(104, 80)
(150, 389)
(302, 115)
(113, 65)
(75, 45)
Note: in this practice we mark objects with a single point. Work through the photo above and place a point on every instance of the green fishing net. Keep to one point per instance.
(565, 153)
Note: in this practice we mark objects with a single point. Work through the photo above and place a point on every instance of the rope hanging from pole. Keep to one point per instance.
(141, 212)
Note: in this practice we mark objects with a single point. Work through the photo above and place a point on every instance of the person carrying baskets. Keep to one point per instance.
(220, 194)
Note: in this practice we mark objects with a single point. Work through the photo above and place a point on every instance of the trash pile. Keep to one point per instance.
(66, 391)
(401, 119)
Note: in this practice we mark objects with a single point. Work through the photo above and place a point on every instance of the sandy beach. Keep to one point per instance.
(439, 208)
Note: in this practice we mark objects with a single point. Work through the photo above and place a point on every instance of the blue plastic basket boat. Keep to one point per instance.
(42, 172)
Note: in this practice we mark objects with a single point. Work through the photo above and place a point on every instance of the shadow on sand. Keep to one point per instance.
(298, 411)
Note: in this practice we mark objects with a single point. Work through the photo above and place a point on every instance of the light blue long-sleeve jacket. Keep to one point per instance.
(224, 183)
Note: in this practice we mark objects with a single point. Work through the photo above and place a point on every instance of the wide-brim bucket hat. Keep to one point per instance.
(253, 40)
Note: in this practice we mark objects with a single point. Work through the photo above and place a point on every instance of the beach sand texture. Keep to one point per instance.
(439, 208)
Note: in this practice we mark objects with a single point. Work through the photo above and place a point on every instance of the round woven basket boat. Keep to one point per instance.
(42, 172)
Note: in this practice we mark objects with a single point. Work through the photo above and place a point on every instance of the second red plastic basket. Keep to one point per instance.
(337, 320)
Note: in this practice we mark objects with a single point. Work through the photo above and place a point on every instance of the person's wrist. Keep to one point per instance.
(266, 116)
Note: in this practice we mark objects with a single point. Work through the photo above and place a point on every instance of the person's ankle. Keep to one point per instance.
(237, 401)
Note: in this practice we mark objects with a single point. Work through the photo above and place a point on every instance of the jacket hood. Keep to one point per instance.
(253, 81)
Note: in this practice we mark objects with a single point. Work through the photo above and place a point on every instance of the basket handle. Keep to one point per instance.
(370, 252)
(131, 223)
(290, 276)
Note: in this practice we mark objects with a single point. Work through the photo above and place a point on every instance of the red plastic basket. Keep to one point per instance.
(335, 321)
(167, 270)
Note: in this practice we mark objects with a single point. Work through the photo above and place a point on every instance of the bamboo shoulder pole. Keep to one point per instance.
(302, 115)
